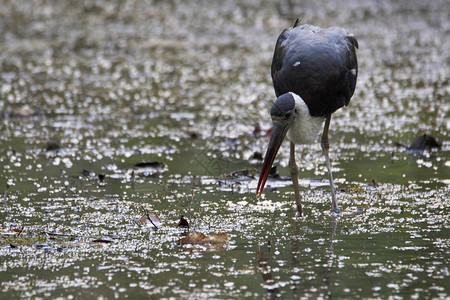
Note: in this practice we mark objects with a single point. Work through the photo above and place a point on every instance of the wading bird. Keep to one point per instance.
(314, 73)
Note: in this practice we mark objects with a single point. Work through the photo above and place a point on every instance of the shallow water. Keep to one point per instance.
(118, 83)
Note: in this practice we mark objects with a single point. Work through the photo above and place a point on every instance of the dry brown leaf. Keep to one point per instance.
(219, 238)
(198, 237)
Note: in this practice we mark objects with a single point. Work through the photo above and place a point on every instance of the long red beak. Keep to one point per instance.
(276, 139)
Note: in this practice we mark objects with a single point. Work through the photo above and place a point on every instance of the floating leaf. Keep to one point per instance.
(219, 238)
(144, 220)
(150, 219)
(154, 219)
(201, 238)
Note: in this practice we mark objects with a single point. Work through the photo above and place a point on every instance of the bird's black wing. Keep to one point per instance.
(317, 64)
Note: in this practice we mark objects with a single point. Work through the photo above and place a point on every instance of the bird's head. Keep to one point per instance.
(284, 111)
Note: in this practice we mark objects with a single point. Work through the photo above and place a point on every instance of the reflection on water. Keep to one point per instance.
(160, 107)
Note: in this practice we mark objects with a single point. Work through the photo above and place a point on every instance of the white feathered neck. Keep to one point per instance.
(305, 128)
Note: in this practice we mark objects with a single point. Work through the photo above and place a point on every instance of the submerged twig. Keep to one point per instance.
(21, 230)
(190, 204)
(132, 179)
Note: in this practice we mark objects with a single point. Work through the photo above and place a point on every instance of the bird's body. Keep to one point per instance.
(314, 73)
(317, 64)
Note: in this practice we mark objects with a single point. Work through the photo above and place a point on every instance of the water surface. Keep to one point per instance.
(117, 83)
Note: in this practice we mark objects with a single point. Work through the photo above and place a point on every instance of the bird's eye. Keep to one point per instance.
(296, 111)
(287, 115)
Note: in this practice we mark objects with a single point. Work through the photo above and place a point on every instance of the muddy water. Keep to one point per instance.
(117, 83)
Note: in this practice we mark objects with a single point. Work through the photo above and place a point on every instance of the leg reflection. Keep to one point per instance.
(268, 283)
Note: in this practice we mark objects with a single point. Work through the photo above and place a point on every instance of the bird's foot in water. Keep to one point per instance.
(299, 212)
(336, 210)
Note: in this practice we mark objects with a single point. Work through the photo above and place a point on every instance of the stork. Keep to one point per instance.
(314, 73)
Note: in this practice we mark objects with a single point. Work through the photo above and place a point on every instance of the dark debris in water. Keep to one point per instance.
(87, 173)
(273, 173)
(52, 145)
(151, 164)
(194, 135)
(102, 241)
(183, 223)
(256, 156)
(242, 173)
(424, 142)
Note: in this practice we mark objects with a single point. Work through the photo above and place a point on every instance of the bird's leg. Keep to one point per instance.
(325, 146)
(294, 175)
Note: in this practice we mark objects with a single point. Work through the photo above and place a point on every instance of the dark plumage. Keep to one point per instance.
(317, 64)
